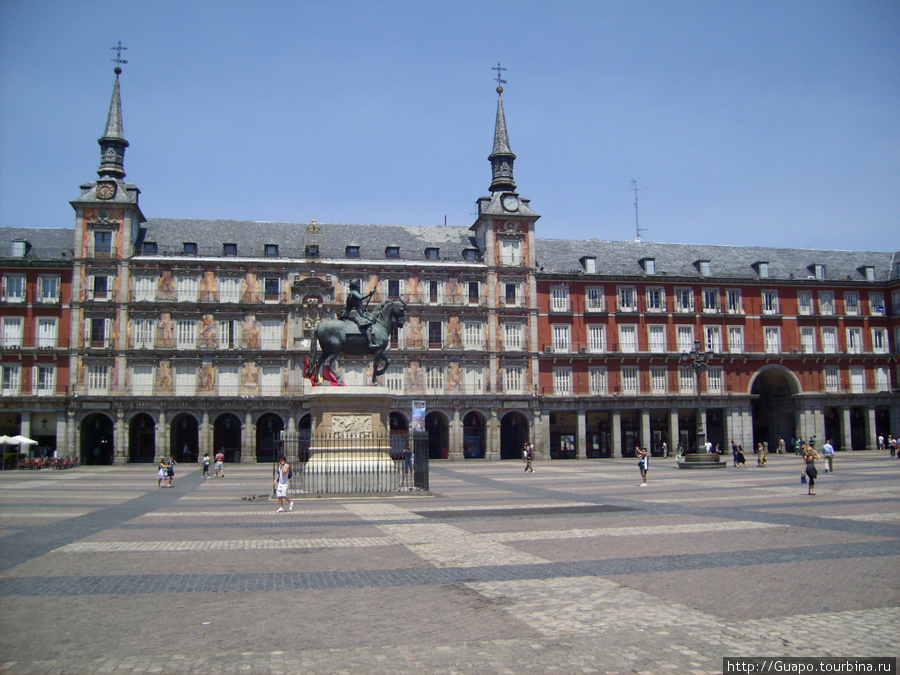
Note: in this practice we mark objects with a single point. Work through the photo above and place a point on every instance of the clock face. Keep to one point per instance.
(510, 202)
(106, 190)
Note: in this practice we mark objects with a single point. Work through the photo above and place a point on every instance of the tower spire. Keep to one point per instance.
(113, 143)
(502, 157)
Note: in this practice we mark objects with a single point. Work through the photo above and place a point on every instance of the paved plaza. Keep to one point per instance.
(571, 569)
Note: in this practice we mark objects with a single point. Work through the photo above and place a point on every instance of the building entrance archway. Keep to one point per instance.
(227, 437)
(184, 438)
(142, 439)
(473, 435)
(438, 432)
(97, 439)
(268, 431)
(513, 435)
(773, 406)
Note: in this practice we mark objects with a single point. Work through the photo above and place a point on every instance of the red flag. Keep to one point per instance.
(331, 377)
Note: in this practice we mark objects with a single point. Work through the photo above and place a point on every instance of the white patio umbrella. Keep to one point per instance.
(20, 440)
(4, 440)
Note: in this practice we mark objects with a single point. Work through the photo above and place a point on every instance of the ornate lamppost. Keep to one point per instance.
(698, 361)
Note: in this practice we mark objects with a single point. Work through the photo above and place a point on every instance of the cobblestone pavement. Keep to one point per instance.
(572, 569)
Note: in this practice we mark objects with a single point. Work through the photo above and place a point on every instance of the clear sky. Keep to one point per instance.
(749, 123)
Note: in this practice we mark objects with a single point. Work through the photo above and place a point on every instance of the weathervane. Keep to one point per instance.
(118, 49)
(500, 80)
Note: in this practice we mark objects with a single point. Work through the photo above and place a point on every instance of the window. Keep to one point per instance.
(99, 287)
(352, 251)
(99, 332)
(44, 382)
(187, 288)
(513, 336)
(393, 379)
(229, 289)
(473, 379)
(630, 381)
(392, 252)
(829, 340)
(627, 299)
(598, 381)
(832, 379)
(628, 339)
(807, 339)
(562, 338)
(46, 332)
(895, 296)
(876, 303)
(851, 303)
(684, 300)
(868, 272)
(310, 251)
(596, 334)
(804, 303)
(435, 292)
(686, 381)
(704, 267)
(434, 379)
(271, 251)
(473, 335)
(14, 288)
(736, 339)
(593, 299)
(562, 381)
(185, 334)
(770, 302)
(12, 331)
(762, 268)
(512, 294)
(826, 303)
(48, 289)
(11, 380)
(474, 292)
(272, 288)
(880, 340)
(185, 380)
(559, 299)
(513, 379)
(511, 251)
(98, 379)
(857, 379)
(145, 288)
(656, 300)
(590, 264)
(143, 333)
(149, 248)
(685, 337)
(229, 380)
(650, 265)
(435, 334)
(190, 248)
(470, 254)
(659, 380)
(854, 340)
(270, 381)
(733, 303)
(772, 338)
(714, 380)
(710, 300)
(229, 249)
(713, 336)
(432, 253)
(818, 271)
(102, 244)
(882, 378)
(270, 334)
(142, 379)
(656, 339)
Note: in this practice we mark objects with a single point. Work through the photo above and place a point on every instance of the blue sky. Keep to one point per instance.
(749, 123)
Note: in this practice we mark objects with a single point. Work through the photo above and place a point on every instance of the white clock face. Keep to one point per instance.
(510, 202)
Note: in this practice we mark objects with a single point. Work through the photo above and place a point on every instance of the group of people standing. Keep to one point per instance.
(165, 473)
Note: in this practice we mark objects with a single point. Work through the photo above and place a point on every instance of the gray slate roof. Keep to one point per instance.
(44, 243)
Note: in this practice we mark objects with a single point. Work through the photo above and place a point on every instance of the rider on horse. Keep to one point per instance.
(355, 311)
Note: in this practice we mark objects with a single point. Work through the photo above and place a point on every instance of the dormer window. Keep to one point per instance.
(590, 264)
(312, 250)
(818, 270)
(432, 253)
(149, 248)
(470, 254)
(352, 251)
(189, 248)
(762, 269)
(868, 272)
(650, 265)
(229, 249)
(703, 267)
(19, 247)
(271, 250)
(392, 252)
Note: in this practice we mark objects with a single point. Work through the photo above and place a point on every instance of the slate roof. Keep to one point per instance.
(44, 243)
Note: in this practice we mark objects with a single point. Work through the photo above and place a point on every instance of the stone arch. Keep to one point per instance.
(437, 428)
(184, 438)
(514, 433)
(227, 431)
(773, 406)
(268, 433)
(142, 438)
(97, 439)
(473, 434)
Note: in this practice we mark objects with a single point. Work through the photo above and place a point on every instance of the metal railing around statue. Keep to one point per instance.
(351, 465)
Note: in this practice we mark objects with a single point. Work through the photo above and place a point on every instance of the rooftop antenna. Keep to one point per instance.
(637, 227)
(119, 61)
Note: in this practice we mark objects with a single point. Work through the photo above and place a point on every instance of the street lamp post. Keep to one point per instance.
(698, 360)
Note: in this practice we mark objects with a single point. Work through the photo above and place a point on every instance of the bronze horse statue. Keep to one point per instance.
(338, 336)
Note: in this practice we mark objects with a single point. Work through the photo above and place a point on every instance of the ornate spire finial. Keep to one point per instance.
(118, 49)
(499, 79)
(113, 143)
(502, 157)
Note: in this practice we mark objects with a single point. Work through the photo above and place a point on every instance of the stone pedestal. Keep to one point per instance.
(350, 447)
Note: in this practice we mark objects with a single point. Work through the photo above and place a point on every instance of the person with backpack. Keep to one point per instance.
(281, 483)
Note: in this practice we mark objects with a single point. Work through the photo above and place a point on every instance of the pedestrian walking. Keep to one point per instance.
(170, 471)
(734, 453)
(811, 472)
(881, 441)
(643, 465)
(760, 460)
(781, 446)
(206, 466)
(665, 449)
(281, 482)
(161, 471)
(220, 464)
(528, 455)
(828, 453)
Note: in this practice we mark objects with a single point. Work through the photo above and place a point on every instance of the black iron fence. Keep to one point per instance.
(350, 465)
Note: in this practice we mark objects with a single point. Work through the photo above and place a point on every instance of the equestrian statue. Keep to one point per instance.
(355, 332)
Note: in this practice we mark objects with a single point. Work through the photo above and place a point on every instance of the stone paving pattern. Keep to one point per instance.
(572, 569)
